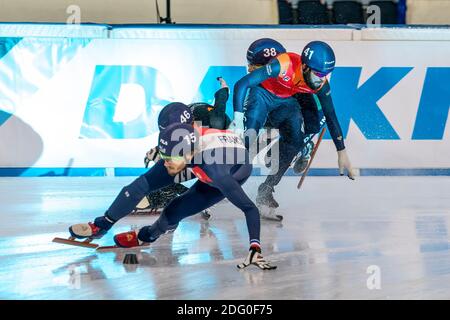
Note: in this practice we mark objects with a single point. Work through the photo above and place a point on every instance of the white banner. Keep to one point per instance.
(93, 102)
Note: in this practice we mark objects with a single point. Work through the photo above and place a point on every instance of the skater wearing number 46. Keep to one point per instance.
(206, 115)
(281, 86)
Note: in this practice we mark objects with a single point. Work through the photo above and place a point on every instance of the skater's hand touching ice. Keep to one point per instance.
(254, 257)
(344, 163)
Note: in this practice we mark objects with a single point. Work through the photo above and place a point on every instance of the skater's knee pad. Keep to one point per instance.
(138, 189)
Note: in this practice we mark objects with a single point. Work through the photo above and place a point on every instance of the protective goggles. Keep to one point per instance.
(319, 74)
(170, 158)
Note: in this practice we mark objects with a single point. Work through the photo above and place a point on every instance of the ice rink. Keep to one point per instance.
(372, 238)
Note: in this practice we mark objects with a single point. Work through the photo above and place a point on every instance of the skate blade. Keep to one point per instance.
(73, 242)
(277, 218)
(115, 248)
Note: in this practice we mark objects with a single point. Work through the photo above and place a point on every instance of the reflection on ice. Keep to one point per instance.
(323, 248)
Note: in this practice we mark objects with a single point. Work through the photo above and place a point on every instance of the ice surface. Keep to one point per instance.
(334, 231)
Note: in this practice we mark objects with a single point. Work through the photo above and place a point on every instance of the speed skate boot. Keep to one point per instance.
(128, 239)
(267, 204)
(143, 236)
(91, 230)
(265, 196)
(87, 232)
(301, 162)
(125, 240)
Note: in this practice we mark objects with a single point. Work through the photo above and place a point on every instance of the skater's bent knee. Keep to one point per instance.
(138, 189)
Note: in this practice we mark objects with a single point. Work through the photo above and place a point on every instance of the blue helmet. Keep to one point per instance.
(175, 112)
(319, 56)
(263, 50)
(176, 140)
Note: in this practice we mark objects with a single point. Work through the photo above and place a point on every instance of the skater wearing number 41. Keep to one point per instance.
(220, 161)
(282, 85)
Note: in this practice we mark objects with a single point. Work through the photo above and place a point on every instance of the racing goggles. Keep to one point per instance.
(170, 158)
(319, 74)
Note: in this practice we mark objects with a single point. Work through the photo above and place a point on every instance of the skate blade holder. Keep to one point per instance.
(73, 242)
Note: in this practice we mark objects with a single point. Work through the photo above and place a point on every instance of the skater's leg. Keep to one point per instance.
(314, 120)
(290, 143)
(199, 197)
(302, 160)
(156, 200)
(154, 179)
(202, 196)
(256, 109)
(310, 112)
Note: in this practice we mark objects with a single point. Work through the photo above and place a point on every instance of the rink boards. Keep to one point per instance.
(87, 97)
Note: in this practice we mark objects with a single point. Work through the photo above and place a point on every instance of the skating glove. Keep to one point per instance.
(152, 155)
(344, 163)
(254, 257)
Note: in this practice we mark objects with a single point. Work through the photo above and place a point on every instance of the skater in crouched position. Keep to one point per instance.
(205, 115)
(219, 160)
(281, 87)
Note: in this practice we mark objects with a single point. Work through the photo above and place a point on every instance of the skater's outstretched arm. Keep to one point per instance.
(221, 98)
(333, 125)
(324, 96)
(218, 118)
(232, 190)
(271, 70)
